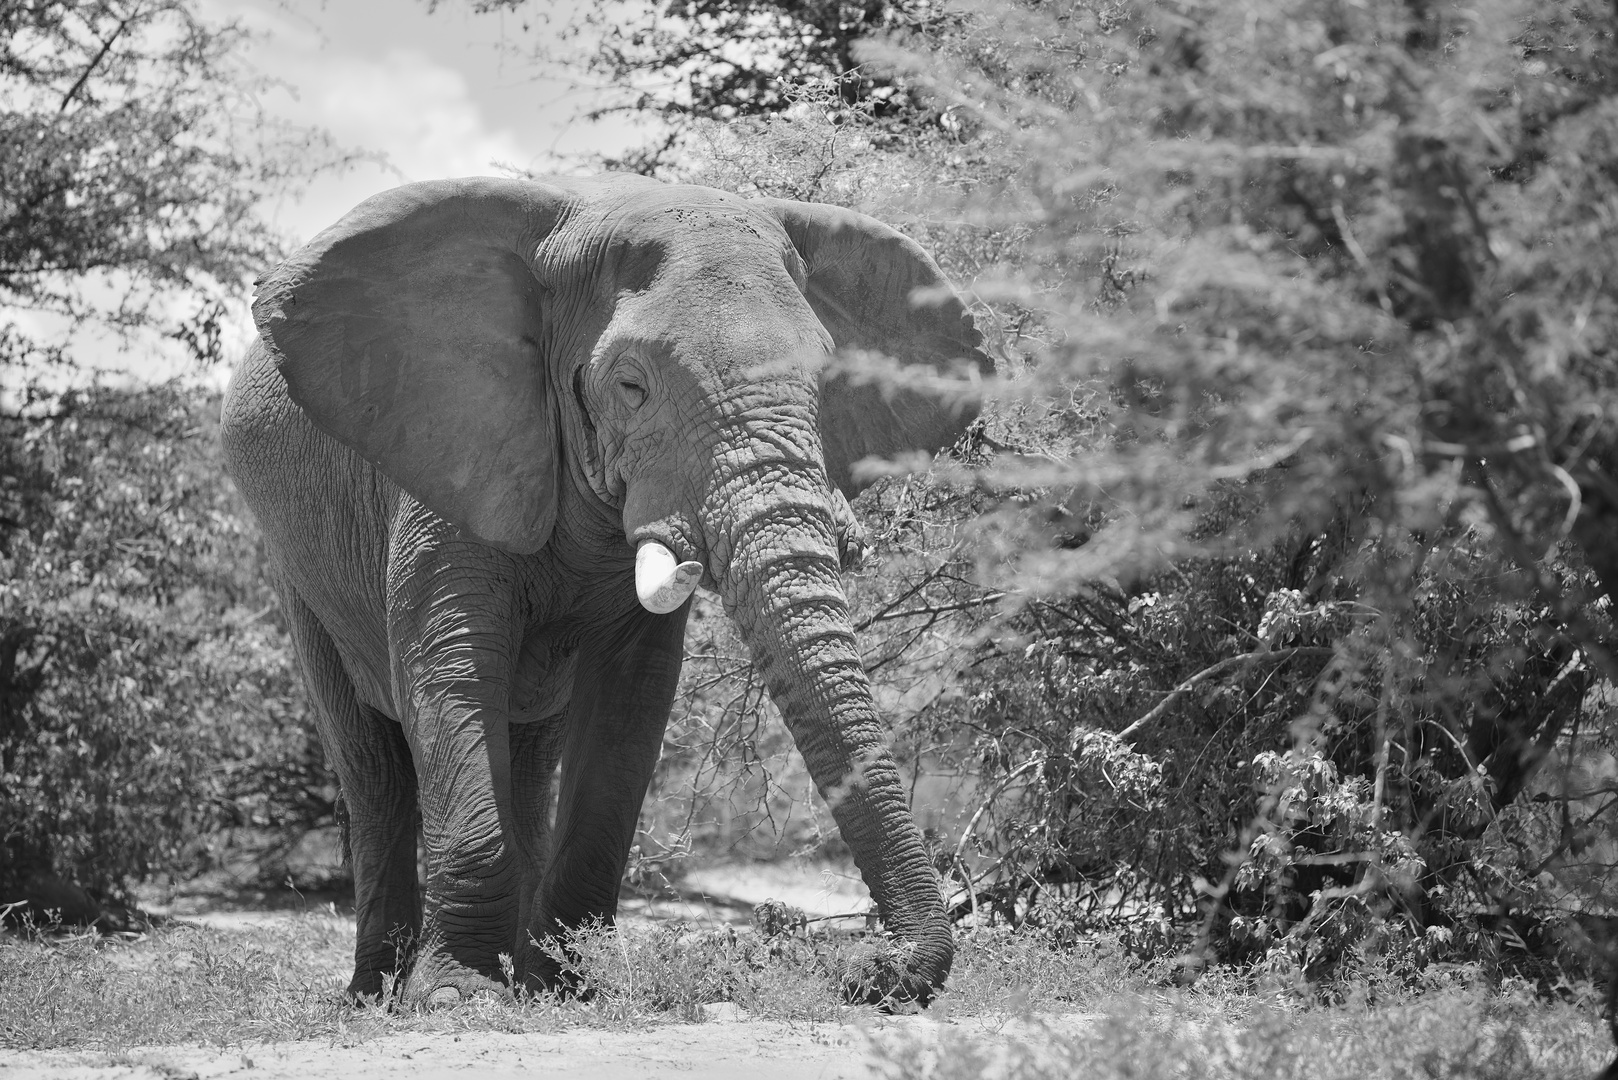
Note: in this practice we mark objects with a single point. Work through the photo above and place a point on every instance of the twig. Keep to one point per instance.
(971, 888)
(88, 71)
(1454, 739)
(1269, 459)
(1354, 249)
(993, 795)
(1278, 655)
(847, 915)
(935, 609)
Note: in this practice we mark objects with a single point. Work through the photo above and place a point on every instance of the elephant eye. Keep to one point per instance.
(633, 392)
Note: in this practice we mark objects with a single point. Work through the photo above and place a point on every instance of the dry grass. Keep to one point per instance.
(200, 985)
(181, 984)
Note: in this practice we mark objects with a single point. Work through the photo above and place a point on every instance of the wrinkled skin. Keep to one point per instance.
(470, 403)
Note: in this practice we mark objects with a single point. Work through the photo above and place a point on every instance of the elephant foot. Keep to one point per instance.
(550, 968)
(885, 975)
(449, 996)
(372, 986)
(436, 982)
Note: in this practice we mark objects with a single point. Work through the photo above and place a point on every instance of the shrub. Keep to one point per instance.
(1300, 488)
(147, 692)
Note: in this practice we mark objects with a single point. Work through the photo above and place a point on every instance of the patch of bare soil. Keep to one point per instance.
(713, 1050)
(726, 892)
(717, 893)
(722, 1049)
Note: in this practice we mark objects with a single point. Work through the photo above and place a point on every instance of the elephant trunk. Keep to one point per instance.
(783, 588)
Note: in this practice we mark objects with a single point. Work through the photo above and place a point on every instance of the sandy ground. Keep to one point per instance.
(719, 1050)
(722, 893)
(728, 1046)
(722, 1049)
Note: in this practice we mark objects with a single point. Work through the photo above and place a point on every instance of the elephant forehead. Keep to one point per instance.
(639, 232)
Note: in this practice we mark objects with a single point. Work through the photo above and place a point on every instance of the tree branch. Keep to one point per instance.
(1277, 655)
(106, 47)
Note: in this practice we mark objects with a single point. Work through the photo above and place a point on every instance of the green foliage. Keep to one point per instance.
(145, 701)
(1306, 457)
(148, 697)
(136, 158)
(694, 61)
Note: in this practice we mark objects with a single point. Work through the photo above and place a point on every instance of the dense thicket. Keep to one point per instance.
(1301, 486)
(1327, 514)
(148, 697)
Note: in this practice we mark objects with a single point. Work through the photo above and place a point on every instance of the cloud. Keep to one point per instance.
(417, 113)
(421, 114)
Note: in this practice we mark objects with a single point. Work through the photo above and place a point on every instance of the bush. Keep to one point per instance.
(147, 692)
(1294, 511)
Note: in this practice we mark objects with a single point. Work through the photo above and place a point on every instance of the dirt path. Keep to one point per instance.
(725, 1050)
(719, 1051)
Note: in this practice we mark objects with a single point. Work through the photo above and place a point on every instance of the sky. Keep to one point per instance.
(437, 93)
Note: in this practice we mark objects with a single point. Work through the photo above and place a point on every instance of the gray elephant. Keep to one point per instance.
(495, 432)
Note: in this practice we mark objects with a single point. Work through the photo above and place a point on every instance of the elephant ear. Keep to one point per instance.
(863, 284)
(409, 331)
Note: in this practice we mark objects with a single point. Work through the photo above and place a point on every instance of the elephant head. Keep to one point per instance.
(504, 350)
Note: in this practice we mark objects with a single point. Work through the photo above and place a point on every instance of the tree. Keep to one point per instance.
(136, 161)
(146, 691)
(1318, 448)
(693, 60)
(148, 697)
(1301, 485)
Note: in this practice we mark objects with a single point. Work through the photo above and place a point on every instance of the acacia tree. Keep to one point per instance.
(1302, 491)
(688, 61)
(136, 160)
(1317, 448)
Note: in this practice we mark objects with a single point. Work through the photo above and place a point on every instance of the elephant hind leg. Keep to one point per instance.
(535, 749)
(368, 752)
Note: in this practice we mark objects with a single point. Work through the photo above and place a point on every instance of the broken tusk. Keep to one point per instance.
(662, 584)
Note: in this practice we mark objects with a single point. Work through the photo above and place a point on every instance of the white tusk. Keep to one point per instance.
(660, 582)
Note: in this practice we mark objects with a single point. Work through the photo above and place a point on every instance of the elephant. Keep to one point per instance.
(495, 432)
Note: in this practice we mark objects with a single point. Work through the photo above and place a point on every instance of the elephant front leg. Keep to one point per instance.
(614, 733)
(451, 633)
(469, 917)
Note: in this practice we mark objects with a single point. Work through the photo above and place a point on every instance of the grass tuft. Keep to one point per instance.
(179, 984)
